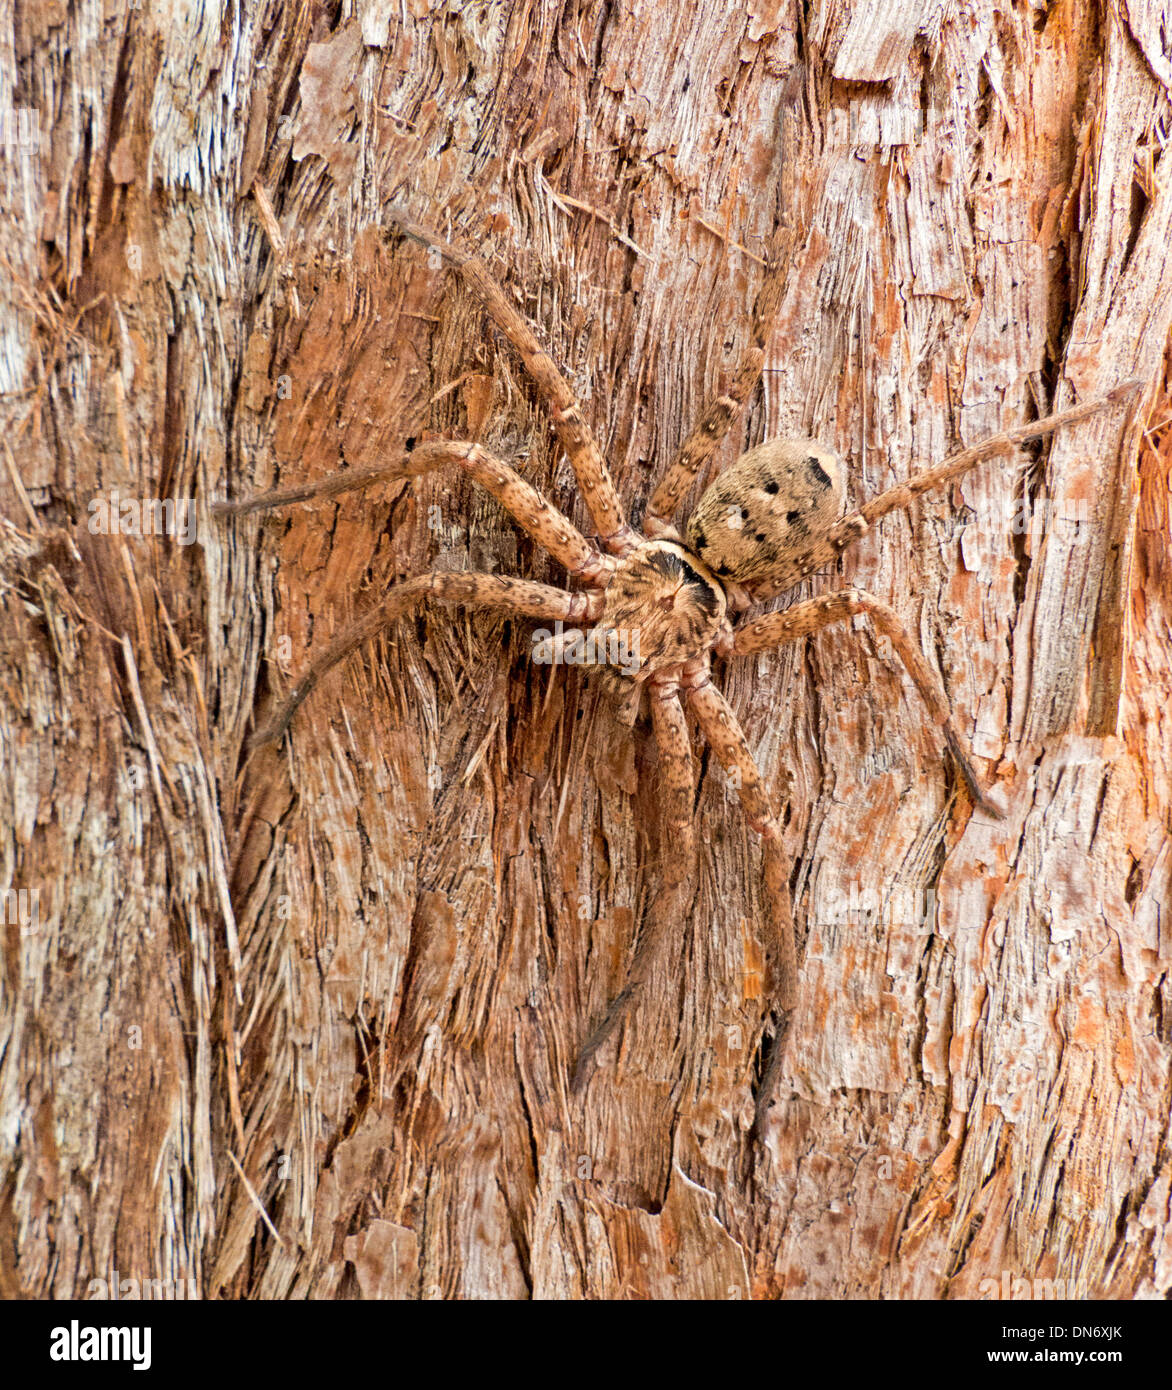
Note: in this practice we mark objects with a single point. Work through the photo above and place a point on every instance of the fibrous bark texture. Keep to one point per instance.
(300, 1022)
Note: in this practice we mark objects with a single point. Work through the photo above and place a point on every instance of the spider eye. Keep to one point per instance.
(760, 536)
(772, 487)
(791, 517)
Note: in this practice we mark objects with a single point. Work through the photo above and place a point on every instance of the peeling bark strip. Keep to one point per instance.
(333, 992)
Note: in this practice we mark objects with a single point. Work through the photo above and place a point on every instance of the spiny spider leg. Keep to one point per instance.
(594, 480)
(677, 785)
(725, 736)
(522, 598)
(850, 528)
(537, 517)
(775, 629)
(722, 410)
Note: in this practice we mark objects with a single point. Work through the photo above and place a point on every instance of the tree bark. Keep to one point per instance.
(300, 1022)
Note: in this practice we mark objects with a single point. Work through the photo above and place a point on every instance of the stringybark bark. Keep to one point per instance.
(344, 980)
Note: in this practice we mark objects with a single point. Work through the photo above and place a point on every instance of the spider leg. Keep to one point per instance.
(537, 517)
(828, 548)
(594, 480)
(677, 784)
(727, 740)
(722, 410)
(811, 616)
(522, 598)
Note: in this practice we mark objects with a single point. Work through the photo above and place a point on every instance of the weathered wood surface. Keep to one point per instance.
(357, 969)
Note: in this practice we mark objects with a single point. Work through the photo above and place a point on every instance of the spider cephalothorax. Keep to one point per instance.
(667, 602)
(656, 607)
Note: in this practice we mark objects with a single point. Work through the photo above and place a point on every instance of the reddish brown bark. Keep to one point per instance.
(355, 969)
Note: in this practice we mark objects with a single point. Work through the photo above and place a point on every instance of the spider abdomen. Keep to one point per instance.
(765, 509)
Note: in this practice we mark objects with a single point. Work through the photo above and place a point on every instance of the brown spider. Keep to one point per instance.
(766, 522)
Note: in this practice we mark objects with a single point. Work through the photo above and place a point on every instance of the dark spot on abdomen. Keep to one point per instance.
(817, 472)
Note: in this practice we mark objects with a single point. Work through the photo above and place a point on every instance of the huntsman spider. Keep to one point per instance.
(675, 596)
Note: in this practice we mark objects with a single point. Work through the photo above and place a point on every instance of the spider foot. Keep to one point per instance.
(587, 1063)
(981, 796)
